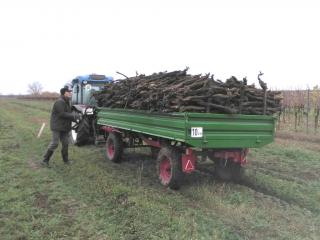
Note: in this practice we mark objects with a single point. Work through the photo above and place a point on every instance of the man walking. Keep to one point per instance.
(60, 124)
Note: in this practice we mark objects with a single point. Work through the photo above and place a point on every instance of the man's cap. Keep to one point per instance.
(65, 89)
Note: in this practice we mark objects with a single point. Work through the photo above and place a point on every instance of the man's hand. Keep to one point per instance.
(77, 117)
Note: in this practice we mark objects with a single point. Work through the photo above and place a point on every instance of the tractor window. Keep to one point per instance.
(75, 96)
(76, 89)
(96, 88)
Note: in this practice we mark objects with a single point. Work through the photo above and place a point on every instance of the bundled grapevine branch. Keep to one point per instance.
(179, 91)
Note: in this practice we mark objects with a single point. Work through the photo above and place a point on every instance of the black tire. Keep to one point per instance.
(154, 152)
(114, 147)
(169, 167)
(95, 138)
(228, 170)
(83, 132)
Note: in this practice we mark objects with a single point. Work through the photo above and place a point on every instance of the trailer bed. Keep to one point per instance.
(200, 130)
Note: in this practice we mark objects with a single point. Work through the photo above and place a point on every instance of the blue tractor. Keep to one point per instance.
(83, 102)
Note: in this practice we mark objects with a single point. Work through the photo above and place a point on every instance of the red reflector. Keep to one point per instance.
(189, 166)
(188, 161)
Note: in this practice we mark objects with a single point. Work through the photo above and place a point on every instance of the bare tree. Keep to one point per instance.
(35, 88)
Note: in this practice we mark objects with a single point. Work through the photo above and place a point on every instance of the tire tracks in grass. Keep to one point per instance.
(262, 196)
(264, 190)
(223, 205)
(278, 195)
(275, 173)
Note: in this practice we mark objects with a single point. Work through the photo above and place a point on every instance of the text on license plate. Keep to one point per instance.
(196, 132)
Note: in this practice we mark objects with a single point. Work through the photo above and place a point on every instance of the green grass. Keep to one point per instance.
(290, 173)
(95, 199)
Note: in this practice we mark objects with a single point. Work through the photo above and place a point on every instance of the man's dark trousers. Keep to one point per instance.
(56, 136)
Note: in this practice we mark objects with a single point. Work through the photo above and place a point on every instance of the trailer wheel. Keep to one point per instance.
(169, 167)
(228, 170)
(114, 147)
(83, 132)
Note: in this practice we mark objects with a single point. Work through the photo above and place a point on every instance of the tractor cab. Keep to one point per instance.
(83, 102)
(83, 88)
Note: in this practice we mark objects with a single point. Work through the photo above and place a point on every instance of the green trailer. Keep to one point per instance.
(177, 140)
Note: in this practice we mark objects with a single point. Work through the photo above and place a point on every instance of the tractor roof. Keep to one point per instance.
(92, 78)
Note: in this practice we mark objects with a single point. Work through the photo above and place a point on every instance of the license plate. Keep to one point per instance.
(196, 132)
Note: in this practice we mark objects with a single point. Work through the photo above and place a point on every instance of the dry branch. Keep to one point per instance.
(178, 91)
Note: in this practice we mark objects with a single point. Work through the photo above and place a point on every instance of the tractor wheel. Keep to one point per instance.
(83, 132)
(169, 167)
(154, 152)
(114, 147)
(227, 170)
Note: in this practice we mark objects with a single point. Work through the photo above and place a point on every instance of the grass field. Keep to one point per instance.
(279, 197)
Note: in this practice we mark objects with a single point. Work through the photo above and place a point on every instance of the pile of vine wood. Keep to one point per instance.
(180, 92)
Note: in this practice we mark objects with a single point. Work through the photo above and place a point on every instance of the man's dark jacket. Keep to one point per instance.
(61, 115)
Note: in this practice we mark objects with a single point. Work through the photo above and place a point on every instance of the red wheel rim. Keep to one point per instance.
(165, 171)
(110, 149)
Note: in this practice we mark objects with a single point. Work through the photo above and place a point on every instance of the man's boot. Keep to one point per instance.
(65, 158)
(46, 158)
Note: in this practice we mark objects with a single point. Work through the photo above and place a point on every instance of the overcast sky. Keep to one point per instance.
(53, 41)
